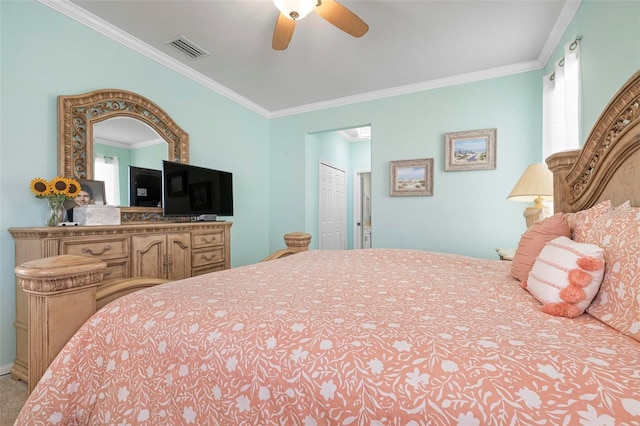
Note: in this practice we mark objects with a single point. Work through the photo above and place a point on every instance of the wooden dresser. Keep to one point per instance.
(162, 250)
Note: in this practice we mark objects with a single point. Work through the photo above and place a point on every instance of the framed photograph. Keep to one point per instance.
(91, 192)
(177, 184)
(409, 178)
(470, 150)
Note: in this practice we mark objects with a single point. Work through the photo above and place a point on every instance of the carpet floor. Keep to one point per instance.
(13, 394)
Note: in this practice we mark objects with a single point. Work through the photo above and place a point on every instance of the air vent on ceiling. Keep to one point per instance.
(187, 47)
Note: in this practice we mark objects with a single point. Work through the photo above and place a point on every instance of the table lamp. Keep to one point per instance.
(535, 184)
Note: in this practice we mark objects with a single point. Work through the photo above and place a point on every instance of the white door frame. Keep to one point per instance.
(358, 213)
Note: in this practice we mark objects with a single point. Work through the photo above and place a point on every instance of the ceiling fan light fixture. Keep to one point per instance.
(295, 9)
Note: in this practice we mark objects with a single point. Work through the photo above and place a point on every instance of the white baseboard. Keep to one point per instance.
(5, 369)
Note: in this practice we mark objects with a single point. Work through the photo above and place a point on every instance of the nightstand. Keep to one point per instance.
(506, 253)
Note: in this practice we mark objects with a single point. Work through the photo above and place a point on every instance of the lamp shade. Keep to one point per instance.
(535, 184)
(295, 9)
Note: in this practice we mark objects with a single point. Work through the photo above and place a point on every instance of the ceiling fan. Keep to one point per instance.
(294, 10)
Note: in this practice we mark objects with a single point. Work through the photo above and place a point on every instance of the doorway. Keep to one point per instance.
(362, 209)
(344, 150)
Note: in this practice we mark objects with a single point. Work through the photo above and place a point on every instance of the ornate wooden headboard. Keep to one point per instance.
(608, 166)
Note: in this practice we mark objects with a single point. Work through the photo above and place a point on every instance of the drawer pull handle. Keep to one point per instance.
(89, 251)
(204, 239)
(213, 256)
(107, 273)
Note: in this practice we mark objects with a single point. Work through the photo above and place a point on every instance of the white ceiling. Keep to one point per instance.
(411, 45)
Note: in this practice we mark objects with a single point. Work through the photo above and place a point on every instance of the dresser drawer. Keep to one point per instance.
(105, 248)
(206, 257)
(207, 239)
(117, 268)
(206, 269)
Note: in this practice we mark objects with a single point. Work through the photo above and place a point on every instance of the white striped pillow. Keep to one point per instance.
(566, 276)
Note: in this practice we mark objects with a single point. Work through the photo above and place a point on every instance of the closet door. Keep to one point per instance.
(332, 208)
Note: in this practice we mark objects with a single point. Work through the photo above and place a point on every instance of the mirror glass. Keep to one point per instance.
(121, 142)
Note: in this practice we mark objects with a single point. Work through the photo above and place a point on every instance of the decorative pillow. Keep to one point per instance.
(625, 205)
(566, 276)
(533, 240)
(618, 302)
(608, 229)
(580, 222)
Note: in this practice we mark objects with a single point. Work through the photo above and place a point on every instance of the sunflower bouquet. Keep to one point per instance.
(56, 191)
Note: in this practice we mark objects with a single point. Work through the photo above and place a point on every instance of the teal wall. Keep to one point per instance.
(468, 213)
(360, 155)
(45, 54)
(149, 157)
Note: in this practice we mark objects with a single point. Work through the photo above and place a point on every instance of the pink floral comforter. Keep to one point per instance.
(368, 337)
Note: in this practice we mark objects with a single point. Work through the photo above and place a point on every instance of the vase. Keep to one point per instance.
(55, 213)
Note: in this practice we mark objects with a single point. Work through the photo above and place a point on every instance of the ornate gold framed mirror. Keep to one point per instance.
(77, 115)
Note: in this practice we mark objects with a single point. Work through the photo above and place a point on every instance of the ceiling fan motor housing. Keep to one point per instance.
(295, 9)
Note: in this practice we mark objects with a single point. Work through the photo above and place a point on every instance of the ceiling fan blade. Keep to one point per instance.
(282, 33)
(342, 18)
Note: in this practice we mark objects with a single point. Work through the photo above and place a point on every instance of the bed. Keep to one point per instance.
(384, 336)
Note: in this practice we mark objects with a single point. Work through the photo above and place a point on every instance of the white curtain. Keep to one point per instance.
(560, 103)
(107, 170)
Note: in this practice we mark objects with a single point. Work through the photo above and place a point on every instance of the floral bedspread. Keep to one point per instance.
(367, 337)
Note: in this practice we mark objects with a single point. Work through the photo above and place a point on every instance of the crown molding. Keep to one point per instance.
(80, 15)
(412, 88)
(132, 146)
(562, 23)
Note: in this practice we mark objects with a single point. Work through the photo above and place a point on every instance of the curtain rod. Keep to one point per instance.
(573, 46)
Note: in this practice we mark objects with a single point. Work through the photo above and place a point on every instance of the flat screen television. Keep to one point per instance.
(199, 192)
(145, 187)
